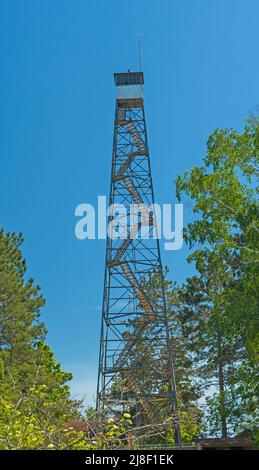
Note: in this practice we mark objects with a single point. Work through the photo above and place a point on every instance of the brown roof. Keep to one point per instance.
(242, 440)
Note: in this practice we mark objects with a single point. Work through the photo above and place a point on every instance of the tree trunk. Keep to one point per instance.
(223, 419)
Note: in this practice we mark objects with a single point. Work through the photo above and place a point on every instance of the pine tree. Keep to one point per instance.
(31, 382)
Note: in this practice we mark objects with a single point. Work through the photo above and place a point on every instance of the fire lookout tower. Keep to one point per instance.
(136, 372)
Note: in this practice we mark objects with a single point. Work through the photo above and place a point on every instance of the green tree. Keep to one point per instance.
(32, 384)
(224, 240)
(20, 301)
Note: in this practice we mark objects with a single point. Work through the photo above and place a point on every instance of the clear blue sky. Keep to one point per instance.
(56, 127)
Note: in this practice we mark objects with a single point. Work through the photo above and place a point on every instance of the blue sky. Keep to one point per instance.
(58, 57)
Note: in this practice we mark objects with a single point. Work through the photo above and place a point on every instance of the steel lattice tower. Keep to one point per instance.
(135, 364)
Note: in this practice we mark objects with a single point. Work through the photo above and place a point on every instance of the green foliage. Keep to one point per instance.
(220, 304)
(33, 388)
(35, 403)
(23, 427)
(213, 321)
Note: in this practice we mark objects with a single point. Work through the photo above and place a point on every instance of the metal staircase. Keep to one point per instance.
(136, 198)
(125, 245)
(120, 173)
(136, 137)
(144, 303)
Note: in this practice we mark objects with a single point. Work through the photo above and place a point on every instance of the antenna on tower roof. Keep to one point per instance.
(139, 51)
